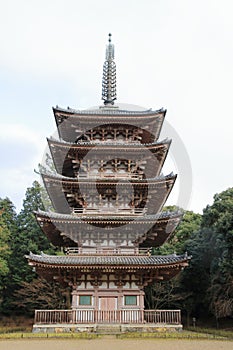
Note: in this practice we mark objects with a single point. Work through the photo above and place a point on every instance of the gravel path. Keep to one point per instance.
(115, 344)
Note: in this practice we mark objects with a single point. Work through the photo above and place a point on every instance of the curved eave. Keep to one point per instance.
(53, 233)
(67, 230)
(68, 123)
(105, 111)
(64, 153)
(60, 179)
(67, 193)
(107, 145)
(113, 262)
(86, 218)
(159, 234)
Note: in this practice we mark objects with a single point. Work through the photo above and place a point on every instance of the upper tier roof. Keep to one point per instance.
(109, 144)
(73, 123)
(66, 193)
(64, 153)
(88, 218)
(57, 178)
(124, 109)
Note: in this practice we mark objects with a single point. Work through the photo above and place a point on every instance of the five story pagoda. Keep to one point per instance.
(108, 195)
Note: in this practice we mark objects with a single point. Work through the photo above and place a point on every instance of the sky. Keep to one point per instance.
(175, 54)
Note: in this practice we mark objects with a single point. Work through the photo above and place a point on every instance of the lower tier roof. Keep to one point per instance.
(143, 231)
(73, 262)
(70, 269)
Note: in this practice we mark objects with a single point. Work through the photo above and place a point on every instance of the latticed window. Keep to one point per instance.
(130, 300)
(85, 300)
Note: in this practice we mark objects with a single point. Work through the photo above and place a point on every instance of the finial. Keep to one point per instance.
(109, 75)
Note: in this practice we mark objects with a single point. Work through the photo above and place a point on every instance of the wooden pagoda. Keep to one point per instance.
(108, 194)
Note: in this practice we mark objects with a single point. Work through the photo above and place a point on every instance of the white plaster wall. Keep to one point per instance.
(112, 285)
(104, 285)
(133, 285)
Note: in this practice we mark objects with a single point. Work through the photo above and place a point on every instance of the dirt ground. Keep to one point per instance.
(115, 344)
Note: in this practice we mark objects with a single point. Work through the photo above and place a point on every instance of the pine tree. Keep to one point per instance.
(28, 237)
(4, 253)
(8, 229)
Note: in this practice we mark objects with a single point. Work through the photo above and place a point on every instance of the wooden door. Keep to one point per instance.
(108, 309)
(108, 303)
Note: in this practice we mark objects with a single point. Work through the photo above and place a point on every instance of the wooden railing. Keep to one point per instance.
(76, 316)
(110, 211)
(101, 175)
(107, 251)
(162, 316)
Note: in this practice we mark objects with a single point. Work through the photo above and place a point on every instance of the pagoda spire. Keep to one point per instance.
(109, 75)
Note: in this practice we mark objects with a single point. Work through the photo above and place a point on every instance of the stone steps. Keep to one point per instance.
(108, 329)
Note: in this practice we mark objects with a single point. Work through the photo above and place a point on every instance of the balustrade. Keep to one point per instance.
(107, 251)
(110, 210)
(78, 316)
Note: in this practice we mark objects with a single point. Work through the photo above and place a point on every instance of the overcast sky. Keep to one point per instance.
(176, 54)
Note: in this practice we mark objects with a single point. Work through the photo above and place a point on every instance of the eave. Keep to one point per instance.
(115, 262)
(69, 121)
(70, 230)
(66, 155)
(66, 193)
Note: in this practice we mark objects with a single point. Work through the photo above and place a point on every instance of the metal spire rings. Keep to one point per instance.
(109, 76)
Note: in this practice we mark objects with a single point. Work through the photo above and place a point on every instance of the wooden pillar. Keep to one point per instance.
(96, 295)
(103, 134)
(91, 135)
(126, 134)
(117, 200)
(141, 299)
(88, 167)
(74, 297)
(120, 299)
(129, 163)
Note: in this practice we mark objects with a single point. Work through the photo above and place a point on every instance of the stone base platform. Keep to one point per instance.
(106, 328)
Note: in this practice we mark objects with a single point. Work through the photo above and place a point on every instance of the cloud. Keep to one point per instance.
(21, 150)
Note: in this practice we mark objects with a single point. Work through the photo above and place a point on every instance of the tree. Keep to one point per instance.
(195, 278)
(210, 274)
(28, 237)
(189, 224)
(9, 214)
(165, 295)
(8, 229)
(4, 252)
(39, 294)
(219, 217)
(173, 294)
(31, 237)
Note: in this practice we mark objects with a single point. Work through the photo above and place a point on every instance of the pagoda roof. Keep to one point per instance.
(164, 215)
(66, 192)
(146, 230)
(107, 110)
(72, 124)
(63, 153)
(108, 144)
(116, 262)
(102, 181)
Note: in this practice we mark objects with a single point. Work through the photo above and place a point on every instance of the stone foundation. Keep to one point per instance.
(105, 328)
